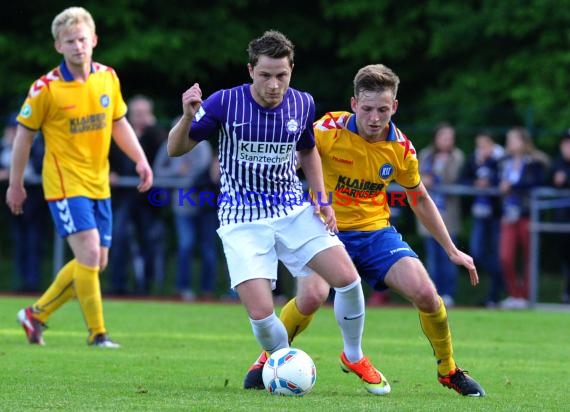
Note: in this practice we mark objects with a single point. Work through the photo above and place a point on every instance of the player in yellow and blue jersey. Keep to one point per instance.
(361, 153)
(77, 106)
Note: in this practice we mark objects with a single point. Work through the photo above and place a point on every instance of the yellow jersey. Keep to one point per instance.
(357, 172)
(76, 120)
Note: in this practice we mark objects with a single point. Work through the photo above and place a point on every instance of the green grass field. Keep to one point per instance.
(178, 356)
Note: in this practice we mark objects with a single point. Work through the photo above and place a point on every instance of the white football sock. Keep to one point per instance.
(349, 313)
(270, 333)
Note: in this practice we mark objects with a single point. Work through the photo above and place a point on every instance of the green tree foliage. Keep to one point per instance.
(476, 63)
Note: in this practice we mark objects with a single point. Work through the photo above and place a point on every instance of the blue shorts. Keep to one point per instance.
(374, 253)
(77, 214)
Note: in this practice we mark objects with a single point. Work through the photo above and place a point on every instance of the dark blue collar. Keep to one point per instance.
(352, 127)
(66, 74)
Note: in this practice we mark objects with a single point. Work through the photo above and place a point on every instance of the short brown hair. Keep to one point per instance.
(272, 44)
(376, 78)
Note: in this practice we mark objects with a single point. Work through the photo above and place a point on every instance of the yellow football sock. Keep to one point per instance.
(88, 291)
(436, 329)
(59, 292)
(295, 322)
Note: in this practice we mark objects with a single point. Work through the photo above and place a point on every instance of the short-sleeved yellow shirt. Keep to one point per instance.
(357, 172)
(76, 120)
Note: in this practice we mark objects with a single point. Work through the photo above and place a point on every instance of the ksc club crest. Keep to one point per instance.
(104, 100)
(386, 170)
(292, 126)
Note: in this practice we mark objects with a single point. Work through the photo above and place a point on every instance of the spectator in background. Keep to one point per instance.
(138, 227)
(482, 171)
(521, 169)
(195, 219)
(561, 179)
(27, 228)
(440, 164)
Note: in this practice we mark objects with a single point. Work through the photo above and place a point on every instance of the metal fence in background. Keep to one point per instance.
(541, 199)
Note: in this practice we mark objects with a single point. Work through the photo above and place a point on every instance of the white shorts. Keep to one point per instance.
(252, 249)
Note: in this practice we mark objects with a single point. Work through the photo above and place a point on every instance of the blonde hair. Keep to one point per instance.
(69, 18)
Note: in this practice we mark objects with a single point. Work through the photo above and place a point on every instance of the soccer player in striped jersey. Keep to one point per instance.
(77, 106)
(362, 152)
(262, 215)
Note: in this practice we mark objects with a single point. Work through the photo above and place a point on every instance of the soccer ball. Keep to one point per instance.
(289, 371)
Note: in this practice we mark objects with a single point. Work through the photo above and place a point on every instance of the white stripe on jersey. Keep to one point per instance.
(257, 152)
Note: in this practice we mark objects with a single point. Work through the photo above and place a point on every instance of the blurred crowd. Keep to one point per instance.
(499, 231)
(505, 168)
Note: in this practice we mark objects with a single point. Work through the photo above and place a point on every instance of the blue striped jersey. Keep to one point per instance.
(256, 149)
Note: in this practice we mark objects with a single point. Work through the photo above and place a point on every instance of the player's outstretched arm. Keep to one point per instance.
(426, 211)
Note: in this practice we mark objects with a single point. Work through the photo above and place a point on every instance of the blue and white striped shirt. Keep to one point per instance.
(256, 151)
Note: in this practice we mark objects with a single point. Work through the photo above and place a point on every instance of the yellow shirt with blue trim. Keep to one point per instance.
(358, 172)
(76, 120)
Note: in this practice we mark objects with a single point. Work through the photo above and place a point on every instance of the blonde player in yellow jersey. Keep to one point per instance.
(362, 152)
(77, 106)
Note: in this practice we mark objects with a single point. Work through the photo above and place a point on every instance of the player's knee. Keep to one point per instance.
(309, 302)
(427, 300)
(349, 278)
(90, 256)
(86, 247)
(312, 292)
(345, 275)
(259, 313)
(355, 286)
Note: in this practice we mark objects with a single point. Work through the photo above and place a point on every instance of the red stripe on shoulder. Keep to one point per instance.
(42, 82)
(404, 141)
(332, 121)
(98, 67)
